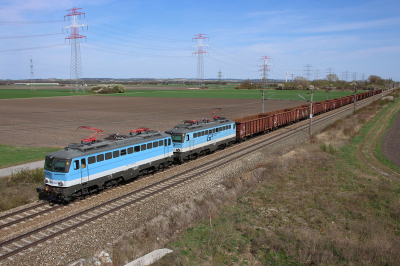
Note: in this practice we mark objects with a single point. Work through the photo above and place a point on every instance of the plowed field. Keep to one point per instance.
(39, 122)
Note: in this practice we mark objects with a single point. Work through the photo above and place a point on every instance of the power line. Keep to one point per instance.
(28, 36)
(28, 22)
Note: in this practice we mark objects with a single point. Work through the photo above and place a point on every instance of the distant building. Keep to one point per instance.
(48, 84)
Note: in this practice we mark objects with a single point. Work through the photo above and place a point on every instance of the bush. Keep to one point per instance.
(108, 89)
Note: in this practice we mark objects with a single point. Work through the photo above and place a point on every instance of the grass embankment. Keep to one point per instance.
(319, 204)
(227, 93)
(14, 155)
(19, 188)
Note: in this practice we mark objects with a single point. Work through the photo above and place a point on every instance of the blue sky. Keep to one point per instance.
(152, 39)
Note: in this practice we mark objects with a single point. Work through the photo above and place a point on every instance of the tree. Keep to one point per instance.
(301, 82)
(375, 80)
(327, 89)
(332, 78)
(247, 85)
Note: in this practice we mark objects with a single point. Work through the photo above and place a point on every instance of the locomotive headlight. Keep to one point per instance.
(60, 183)
(46, 181)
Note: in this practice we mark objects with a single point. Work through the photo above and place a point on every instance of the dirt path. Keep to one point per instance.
(367, 146)
(391, 142)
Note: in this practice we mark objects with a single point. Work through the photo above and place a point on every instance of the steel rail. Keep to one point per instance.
(22, 210)
(209, 166)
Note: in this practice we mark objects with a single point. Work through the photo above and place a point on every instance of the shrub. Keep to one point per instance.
(108, 89)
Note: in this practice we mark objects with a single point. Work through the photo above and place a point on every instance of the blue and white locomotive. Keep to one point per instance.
(81, 169)
(194, 138)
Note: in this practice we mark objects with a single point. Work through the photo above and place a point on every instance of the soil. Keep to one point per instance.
(39, 122)
(391, 142)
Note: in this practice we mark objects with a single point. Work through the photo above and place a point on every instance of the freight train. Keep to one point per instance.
(93, 165)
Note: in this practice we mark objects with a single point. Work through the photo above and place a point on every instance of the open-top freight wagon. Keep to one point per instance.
(255, 124)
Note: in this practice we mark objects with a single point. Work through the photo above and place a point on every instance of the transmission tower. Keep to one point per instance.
(264, 71)
(308, 70)
(329, 71)
(292, 77)
(316, 74)
(346, 75)
(33, 88)
(355, 76)
(220, 78)
(199, 53)
(363, 77)
(74, 39)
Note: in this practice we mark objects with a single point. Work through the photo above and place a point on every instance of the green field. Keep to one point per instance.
(26, 93)
(14, 155)
(227, 93)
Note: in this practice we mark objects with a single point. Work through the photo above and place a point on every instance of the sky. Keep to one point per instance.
(154, 38)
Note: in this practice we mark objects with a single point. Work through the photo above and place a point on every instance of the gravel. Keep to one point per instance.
(83, 242)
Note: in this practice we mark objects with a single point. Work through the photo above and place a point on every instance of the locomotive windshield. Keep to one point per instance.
(47, 164)
(178, 138)
(56, 165)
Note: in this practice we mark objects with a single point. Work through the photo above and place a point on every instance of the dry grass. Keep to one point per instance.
(19, 188)
(309, 206)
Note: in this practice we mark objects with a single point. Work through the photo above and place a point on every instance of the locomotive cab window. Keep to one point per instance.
(76, 165)
(47, 164)
(169, 142)
(83, 163)
(59, 166)
(178, 138)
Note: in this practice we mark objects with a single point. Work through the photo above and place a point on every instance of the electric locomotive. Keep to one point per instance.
(194, 138)
(92, 165)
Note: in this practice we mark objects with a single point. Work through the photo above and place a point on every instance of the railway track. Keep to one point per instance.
(26, 214)
(42, 234)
